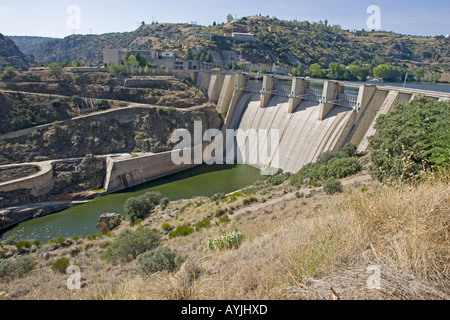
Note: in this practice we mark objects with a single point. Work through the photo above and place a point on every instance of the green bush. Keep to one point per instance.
(160, 259)
(279, 178)
(164, 203)
(61, 265)
(129, 244)
(166, 227)
(224, 219)
(181, 231)
(23, 244)
(8, 73)
(18, 268)
(56, 103)
(341, 168)
(37, 243)
(94, 236)
(138, 208)
(205, 223)
(412, 138)
(332, 164)
(332, 186)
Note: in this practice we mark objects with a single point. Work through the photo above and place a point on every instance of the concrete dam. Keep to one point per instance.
(312, 116)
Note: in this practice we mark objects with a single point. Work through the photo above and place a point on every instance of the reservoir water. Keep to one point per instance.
(81, 220)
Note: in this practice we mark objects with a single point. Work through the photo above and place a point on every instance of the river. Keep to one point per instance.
(81, 220)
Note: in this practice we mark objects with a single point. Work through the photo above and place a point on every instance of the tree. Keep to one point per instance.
(420, 73)
(75, 64)
(8, 73)
(142, 61)
(113, 68)
(214, 24)
(336, 28)
(189, 55)
(132, 64)
(337, 71)
(435, 77)
(297, 71)
(359, 72)
(262, 70)
(229, 18)
(388, 72)
(208, 57)
(317, 71)
(55, 69)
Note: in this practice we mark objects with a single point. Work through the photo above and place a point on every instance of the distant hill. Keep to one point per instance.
(276, 41)
(29, 45)
(10, 55)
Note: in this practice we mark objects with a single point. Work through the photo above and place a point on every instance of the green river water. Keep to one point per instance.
(81, 220)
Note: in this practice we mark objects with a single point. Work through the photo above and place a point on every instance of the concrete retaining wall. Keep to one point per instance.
(35, 181)
(129, 172)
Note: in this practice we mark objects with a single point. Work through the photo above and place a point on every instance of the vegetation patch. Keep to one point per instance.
(130, 244)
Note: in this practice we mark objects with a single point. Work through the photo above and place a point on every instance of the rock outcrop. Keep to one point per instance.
(108, 222)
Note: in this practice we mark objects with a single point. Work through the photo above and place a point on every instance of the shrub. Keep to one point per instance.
(164, 203)
(249, 201)
(61, 240)
(220, 212)
(138, 208)
(218, 197)
(341, 168)
(205, 223)
(326, 157)
(23, 244)
(61, 265)
(129, 244)
(332, 186)
(55, 125)
(160, 259)
(414, 137)
(228, 240)
(8, 73)
(137, 222)
(18, 268)
(102, 105)
(37, 243)
(224, 219)
(94, 236)
(35, 135)
(56, 103)
(181, 231)
(278, 178)
(166, 227)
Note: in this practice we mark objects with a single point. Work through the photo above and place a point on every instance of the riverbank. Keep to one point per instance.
(12, 216)
(81, 220)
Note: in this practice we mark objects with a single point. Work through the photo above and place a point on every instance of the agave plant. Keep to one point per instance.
(226, 241)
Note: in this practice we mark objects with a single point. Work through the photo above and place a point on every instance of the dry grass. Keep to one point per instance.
(405, 231)
(295, 248)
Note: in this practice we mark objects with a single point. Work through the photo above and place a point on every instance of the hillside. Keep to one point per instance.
(29, 45)
(276, 41)
(10, 54)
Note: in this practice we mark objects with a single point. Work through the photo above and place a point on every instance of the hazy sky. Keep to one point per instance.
(49, 18)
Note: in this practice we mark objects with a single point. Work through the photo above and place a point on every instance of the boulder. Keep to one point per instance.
(108, 222)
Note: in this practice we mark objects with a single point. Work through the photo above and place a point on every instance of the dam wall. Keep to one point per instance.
(312, 115)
